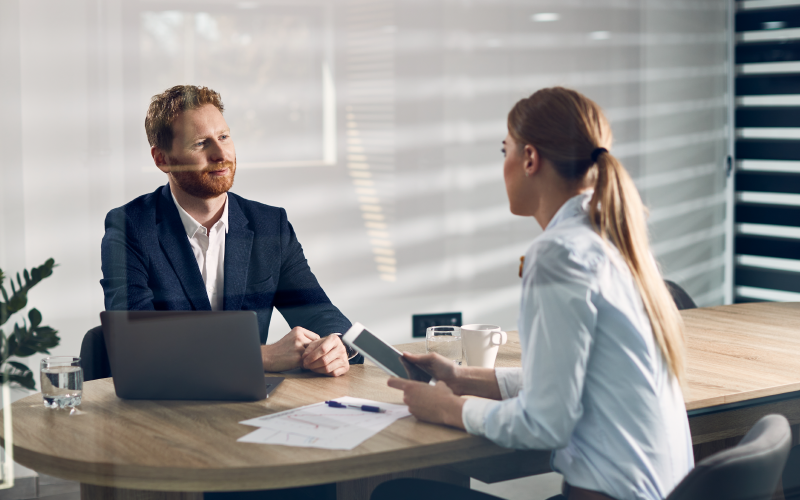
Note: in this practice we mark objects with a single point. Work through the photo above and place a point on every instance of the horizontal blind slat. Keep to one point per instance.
(767, 84)
(768, 149)
(767, 214)
(773, 279)
(770, 182)
(766, 246)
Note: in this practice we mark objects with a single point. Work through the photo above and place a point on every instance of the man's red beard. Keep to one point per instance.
(201, 184)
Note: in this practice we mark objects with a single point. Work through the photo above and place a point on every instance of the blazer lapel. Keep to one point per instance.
(238, 243)
(172, 236)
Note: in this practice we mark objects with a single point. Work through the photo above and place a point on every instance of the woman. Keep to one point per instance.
(602, 342)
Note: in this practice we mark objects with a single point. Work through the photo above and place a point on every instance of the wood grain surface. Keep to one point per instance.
(191, 445)
(741, 352)
(736, 353)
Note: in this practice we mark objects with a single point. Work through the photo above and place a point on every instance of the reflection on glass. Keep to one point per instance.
(269, 65)
(7, 469)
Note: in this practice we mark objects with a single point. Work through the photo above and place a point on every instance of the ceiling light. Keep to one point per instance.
(545, 17)
(600, 35)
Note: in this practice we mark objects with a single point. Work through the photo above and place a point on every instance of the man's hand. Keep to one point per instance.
(435, 404)
(287, 353)
(327, 356)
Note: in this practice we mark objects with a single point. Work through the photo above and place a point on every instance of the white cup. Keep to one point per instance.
(480, 343)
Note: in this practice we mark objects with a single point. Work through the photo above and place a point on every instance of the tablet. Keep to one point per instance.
(382, 354)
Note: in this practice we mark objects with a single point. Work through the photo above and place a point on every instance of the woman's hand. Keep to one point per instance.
(462, 380)
(438, 366)
(435, 404)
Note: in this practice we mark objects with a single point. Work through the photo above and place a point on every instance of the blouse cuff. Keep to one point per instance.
(473, 415)
(509, 380)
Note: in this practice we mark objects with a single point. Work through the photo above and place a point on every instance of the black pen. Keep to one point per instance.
(373, 409)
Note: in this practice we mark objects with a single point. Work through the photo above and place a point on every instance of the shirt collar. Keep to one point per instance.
(577, 205)
(192, 226)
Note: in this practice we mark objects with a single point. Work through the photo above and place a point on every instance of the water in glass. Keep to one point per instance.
(62, 382)
(445, 340)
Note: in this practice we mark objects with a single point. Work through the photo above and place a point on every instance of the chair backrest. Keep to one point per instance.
(94, 356)
(749, 471)
(679, 295)
(791, 475)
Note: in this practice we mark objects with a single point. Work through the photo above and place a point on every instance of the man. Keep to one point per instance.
(192, 245)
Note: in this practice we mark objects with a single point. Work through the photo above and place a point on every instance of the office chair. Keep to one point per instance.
(94, 356)
(749, 471)
(679, 295)
(791, 476)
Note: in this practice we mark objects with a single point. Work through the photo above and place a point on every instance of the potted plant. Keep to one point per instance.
(31, 337)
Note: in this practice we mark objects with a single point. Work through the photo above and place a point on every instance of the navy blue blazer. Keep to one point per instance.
(148, 264)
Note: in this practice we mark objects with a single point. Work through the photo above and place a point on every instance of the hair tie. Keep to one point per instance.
(597, 152)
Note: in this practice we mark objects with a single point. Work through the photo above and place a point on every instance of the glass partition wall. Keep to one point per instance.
(377, 124)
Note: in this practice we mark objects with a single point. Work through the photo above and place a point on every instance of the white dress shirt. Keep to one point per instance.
(209, 251)
(593, 385)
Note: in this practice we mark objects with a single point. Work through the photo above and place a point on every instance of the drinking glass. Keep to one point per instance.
(62, 381)
(444, 340)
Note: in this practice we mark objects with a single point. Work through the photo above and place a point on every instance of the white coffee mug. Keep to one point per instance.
(480, 344)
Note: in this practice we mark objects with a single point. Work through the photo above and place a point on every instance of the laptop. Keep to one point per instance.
(186, 355)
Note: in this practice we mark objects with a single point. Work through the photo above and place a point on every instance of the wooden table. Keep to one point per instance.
(744, 362)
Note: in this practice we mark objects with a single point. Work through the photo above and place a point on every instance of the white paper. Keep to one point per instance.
(320, 426)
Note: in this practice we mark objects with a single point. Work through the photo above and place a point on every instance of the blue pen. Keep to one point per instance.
(373, 409)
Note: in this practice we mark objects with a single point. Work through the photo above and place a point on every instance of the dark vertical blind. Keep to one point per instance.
(767, 213)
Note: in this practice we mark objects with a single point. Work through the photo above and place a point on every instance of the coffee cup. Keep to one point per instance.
(480, 344)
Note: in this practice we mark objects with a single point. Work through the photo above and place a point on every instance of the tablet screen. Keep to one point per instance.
(388, 357)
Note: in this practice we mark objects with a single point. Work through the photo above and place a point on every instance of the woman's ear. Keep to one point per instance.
(532, 160)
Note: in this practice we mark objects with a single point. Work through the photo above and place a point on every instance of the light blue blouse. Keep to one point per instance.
(593, 385)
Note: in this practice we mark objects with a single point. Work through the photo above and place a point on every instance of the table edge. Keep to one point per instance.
(257, 477)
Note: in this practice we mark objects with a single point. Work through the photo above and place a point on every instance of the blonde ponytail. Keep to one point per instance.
(618, 215)
(570, 131)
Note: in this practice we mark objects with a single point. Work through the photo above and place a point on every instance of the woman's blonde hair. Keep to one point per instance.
(567, 129)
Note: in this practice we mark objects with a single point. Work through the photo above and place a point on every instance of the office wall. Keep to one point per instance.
(377, 124)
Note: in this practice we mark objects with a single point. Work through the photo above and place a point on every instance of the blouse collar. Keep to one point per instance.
(577, 205)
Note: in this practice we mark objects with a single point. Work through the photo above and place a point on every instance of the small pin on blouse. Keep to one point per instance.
(521, 264)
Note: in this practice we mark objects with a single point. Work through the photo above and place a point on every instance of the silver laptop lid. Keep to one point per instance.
(194, 355)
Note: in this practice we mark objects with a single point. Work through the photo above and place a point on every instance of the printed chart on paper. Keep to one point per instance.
(320, 426)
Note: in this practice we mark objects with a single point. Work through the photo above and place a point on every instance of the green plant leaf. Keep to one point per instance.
(22, 344)
(46, 338)
(25, 381)
(25, 340)
(29, 341)
(12, 345)
(22, 368)
(19, 299)
(20, 374)
(17, 302)
(35, 316)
